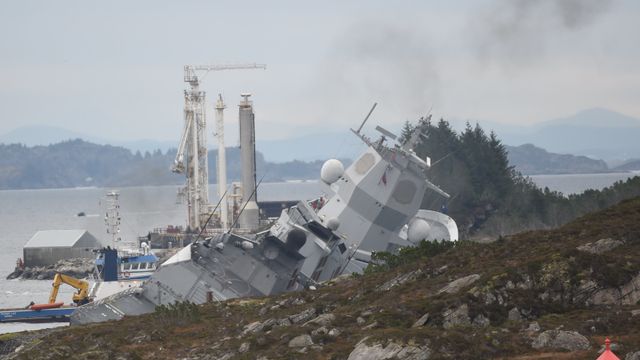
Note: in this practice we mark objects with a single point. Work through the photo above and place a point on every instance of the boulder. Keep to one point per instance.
(534, 327)
(399, 280)
(456, 285)
(420, 322)
(393, 350)
(514, 315)
(456, 317)
(301, 341)
(322, 320)
(320, 331)
(560, 339)
(252, 328)
(244, 347)
(600, 246)
(303, 316)
(633, 356)
(627, 294)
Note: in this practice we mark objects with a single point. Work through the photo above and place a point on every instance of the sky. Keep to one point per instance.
(114, 69)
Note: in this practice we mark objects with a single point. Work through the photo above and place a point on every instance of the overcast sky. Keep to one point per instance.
(114, 68)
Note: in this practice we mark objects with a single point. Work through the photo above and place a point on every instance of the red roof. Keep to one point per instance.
(608, 354)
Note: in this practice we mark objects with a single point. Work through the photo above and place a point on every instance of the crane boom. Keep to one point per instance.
(80, 297)
(191, 158)
(190, 71)
(178, 163)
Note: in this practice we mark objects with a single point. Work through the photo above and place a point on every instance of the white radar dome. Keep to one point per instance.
(331, 171)
(418, 230)
(333, 224)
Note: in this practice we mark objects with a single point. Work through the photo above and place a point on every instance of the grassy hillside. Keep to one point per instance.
(534, 295)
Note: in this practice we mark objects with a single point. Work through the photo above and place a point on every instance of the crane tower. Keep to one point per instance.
(191, 158)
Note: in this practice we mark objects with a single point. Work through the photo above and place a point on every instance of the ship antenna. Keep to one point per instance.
(211, 215)
(367, 117)
(245, 204)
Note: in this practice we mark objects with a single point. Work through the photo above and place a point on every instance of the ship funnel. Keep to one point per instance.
(249, 218)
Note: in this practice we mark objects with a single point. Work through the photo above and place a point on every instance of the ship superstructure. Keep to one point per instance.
(373, 205)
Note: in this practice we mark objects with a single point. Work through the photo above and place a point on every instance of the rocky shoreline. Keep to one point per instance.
(79, 268)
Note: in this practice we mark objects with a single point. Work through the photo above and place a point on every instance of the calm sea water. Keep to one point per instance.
(578, 183)
(23, 212)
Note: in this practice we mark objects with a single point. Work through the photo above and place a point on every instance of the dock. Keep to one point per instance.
(60, 314)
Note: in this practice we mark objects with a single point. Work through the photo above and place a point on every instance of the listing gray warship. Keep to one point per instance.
(373, 205)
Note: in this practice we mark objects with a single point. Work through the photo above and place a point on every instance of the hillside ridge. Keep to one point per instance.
(535, 295)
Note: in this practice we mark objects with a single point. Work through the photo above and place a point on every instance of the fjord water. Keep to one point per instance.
(577, 183)
(24, 212)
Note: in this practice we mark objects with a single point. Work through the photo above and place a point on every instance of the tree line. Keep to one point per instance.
(489, 197)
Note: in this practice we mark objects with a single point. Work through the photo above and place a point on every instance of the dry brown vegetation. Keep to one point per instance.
(548, 259)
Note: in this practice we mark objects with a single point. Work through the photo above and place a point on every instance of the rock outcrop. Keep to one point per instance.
(301, 341)
(560, 339)
(79, 268)
(393, 350)
(456, 317)
(457, 285)
(601, 246)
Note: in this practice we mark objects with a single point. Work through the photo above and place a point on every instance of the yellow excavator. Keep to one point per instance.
(81, 297)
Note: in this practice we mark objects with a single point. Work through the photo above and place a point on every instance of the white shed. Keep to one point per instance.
(49, 246)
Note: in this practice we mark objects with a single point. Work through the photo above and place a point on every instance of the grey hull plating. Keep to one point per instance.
(374, 205)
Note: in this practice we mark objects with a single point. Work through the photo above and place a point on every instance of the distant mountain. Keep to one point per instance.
(631, 165)
(312, 147)
(595, 117)
(532, 160)
(36, 135)
(596, 133)
(77, 163)
(305, 148)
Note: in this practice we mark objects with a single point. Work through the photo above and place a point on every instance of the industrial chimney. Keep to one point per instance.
(249, 218)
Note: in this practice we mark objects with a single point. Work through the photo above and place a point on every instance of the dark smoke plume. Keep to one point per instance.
(381, 61)
(521, 30)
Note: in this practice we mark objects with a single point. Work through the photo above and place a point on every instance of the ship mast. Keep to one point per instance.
(112, 217)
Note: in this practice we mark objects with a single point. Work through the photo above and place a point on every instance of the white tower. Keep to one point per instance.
(222, 164)
(249, 218)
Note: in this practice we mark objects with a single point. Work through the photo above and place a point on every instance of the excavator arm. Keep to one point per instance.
(80, 297)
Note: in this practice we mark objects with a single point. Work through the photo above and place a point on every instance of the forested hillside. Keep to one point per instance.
(488, 196)
(77, 163)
